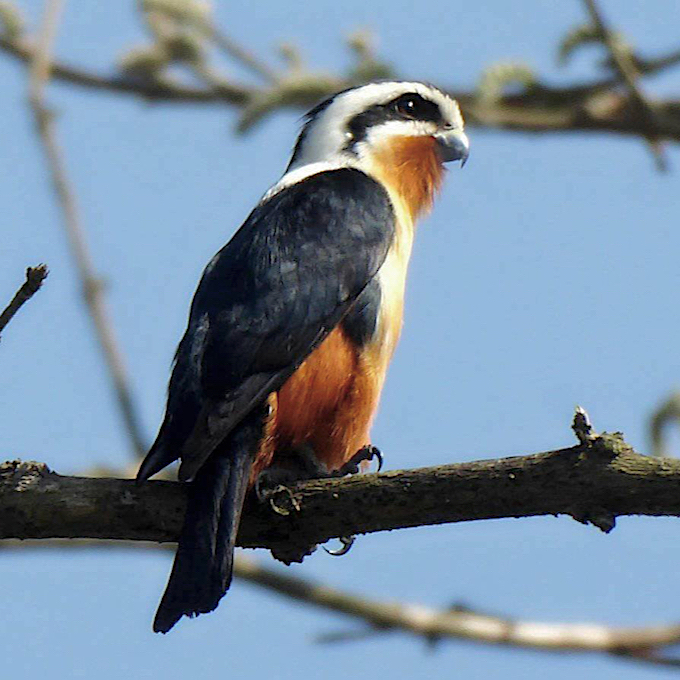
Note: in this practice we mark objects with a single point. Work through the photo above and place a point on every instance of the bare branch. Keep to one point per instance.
(624, 63)
(40, 68)
(198, 16)
(235, 94)
(463, 623)
(230, 47)
(650, 656)
(34, 279)
(587, 107)
(639, 643)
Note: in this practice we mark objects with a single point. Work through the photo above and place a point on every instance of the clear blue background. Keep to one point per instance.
(547, 276)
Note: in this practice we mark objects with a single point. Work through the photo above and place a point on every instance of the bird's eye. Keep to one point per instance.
(413, 106)
(407, 106)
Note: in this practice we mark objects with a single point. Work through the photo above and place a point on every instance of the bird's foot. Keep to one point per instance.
(299, 465)
(271, 487)
(277, 495)
(353, 465)
(272, 481)
(307, 463)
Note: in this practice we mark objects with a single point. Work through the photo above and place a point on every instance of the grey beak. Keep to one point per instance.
(453, 145)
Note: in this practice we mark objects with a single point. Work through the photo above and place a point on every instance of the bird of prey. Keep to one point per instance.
(296, 318)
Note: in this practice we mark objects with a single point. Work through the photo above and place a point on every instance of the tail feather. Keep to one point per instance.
(201, 573)
(158, 457)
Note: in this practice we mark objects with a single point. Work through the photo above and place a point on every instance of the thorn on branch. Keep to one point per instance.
(597, 448)
(604, 444)
(34, 279)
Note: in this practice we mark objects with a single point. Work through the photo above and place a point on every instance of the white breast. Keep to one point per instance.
(392, 280)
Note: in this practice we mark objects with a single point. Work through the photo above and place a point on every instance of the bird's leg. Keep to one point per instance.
(271, 486)
(302, 463)
(299, 465)
(309, 464)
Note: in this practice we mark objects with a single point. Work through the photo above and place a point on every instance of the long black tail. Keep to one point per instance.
(202, 571)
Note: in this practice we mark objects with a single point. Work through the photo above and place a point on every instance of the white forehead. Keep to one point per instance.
(326, 134)
(348, 104)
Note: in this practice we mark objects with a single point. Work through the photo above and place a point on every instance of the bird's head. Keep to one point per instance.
(398, 132)
(356, 124)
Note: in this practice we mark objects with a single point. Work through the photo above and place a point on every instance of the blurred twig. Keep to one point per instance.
(624, 64)
(233, 49)
(34, 279)
(590, 106)
(196, 16)
(639, 643)
(668, 412)
(236, 94)
(40, 68)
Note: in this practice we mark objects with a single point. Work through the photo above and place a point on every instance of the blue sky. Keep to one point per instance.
(546, 277)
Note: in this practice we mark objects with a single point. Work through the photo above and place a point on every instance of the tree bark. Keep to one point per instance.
(594, 482)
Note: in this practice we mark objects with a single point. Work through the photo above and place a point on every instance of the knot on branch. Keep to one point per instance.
(597, 448)
(23, 475)
(602, 445)
(601, 518)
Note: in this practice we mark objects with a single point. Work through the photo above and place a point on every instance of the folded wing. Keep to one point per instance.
(265, 302)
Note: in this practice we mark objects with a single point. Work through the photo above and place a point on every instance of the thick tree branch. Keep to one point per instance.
(594, 482)
(34, 279)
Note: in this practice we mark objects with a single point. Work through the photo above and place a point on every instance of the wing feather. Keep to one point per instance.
(265, 301)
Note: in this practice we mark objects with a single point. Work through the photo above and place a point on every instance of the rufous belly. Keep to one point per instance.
(327, 404)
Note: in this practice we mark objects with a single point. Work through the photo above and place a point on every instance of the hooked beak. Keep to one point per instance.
(452, 145)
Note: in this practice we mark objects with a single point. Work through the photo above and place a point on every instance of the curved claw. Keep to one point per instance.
(370, 452)
(352, 466)
(378, 454)
(269, 481)
(347, 543)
